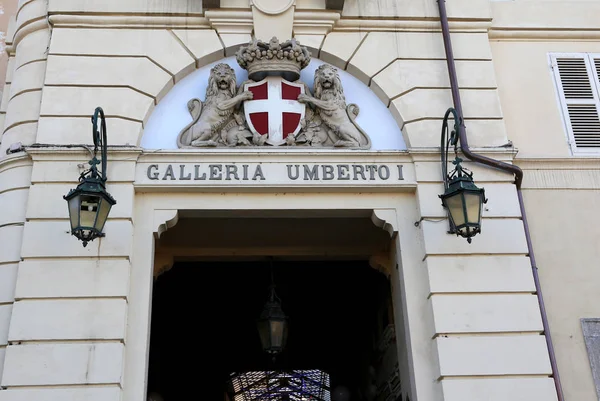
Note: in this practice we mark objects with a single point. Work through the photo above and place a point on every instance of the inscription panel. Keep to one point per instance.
(275, 174)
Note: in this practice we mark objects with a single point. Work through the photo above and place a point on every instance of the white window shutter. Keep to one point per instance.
(578, 78)
(595, 59)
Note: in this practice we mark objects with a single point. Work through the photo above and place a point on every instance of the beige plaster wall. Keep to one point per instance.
(567, 257)
(561, 191)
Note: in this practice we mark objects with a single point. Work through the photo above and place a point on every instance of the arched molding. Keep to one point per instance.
(386, 219)
(163, 220)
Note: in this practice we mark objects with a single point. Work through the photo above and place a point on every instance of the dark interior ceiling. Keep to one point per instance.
(203, 323)
(342, 237)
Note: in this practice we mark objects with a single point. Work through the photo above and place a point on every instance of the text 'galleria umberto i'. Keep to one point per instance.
(300, 200)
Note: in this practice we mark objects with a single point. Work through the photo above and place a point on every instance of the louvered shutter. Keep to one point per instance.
(578, 78)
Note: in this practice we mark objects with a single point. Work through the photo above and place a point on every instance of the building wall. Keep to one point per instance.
(561, 191)
(9, 9)
(473, 326)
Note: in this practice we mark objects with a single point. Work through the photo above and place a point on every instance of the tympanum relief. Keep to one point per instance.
(273, 107)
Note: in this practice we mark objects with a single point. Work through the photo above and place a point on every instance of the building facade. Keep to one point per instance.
(469, 319)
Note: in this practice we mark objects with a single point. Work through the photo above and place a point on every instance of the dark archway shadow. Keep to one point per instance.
(203, 323)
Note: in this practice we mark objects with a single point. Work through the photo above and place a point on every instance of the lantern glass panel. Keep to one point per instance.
(277, 331)
(473, 207)
(454, 203)
(103, 211)
(74, 206)
(264, 333)
(88, 210)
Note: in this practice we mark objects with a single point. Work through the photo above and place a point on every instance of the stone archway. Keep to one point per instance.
(327, 256)
(385, 214)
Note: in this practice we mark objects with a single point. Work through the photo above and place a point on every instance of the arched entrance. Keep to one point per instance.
(204, 331)
(204, 338)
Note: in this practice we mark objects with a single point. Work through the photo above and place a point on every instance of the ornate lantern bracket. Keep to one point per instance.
(89, 203)
(462, 199)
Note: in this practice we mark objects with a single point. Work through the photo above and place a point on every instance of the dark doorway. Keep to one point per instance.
(204, 313)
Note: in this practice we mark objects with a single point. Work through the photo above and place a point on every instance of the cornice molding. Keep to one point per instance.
(375, 24)
(76, 152)
(568, 173)
(129, 21)
(543, 33)
(305, 22)
(433, 154)
(563, 163)
(131, 153)
(275, 155)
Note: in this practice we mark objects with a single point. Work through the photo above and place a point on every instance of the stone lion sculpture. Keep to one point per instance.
(332, 115)
(217, 121)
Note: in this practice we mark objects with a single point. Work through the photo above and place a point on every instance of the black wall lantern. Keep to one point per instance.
(273, 323)
(462, 199)
(89, 203)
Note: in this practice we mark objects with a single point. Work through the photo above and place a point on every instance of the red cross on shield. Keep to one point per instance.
(274, 109)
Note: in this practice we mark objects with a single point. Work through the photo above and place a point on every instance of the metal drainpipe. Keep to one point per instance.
(510, 168)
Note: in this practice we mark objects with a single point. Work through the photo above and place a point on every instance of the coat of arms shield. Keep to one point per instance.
(274, 110)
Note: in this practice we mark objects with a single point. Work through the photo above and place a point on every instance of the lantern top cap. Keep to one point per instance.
(460, 183)
(91, 186)
(272, 309)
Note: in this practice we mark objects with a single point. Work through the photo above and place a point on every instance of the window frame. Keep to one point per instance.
(563, 102)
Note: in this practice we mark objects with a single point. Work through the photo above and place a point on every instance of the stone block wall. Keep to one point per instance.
(487, 322)
(65, 336)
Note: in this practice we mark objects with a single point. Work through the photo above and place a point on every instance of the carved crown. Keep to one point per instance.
(262, 58)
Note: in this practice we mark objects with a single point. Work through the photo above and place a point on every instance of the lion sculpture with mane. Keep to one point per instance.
(218, 120)
(333, 122)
